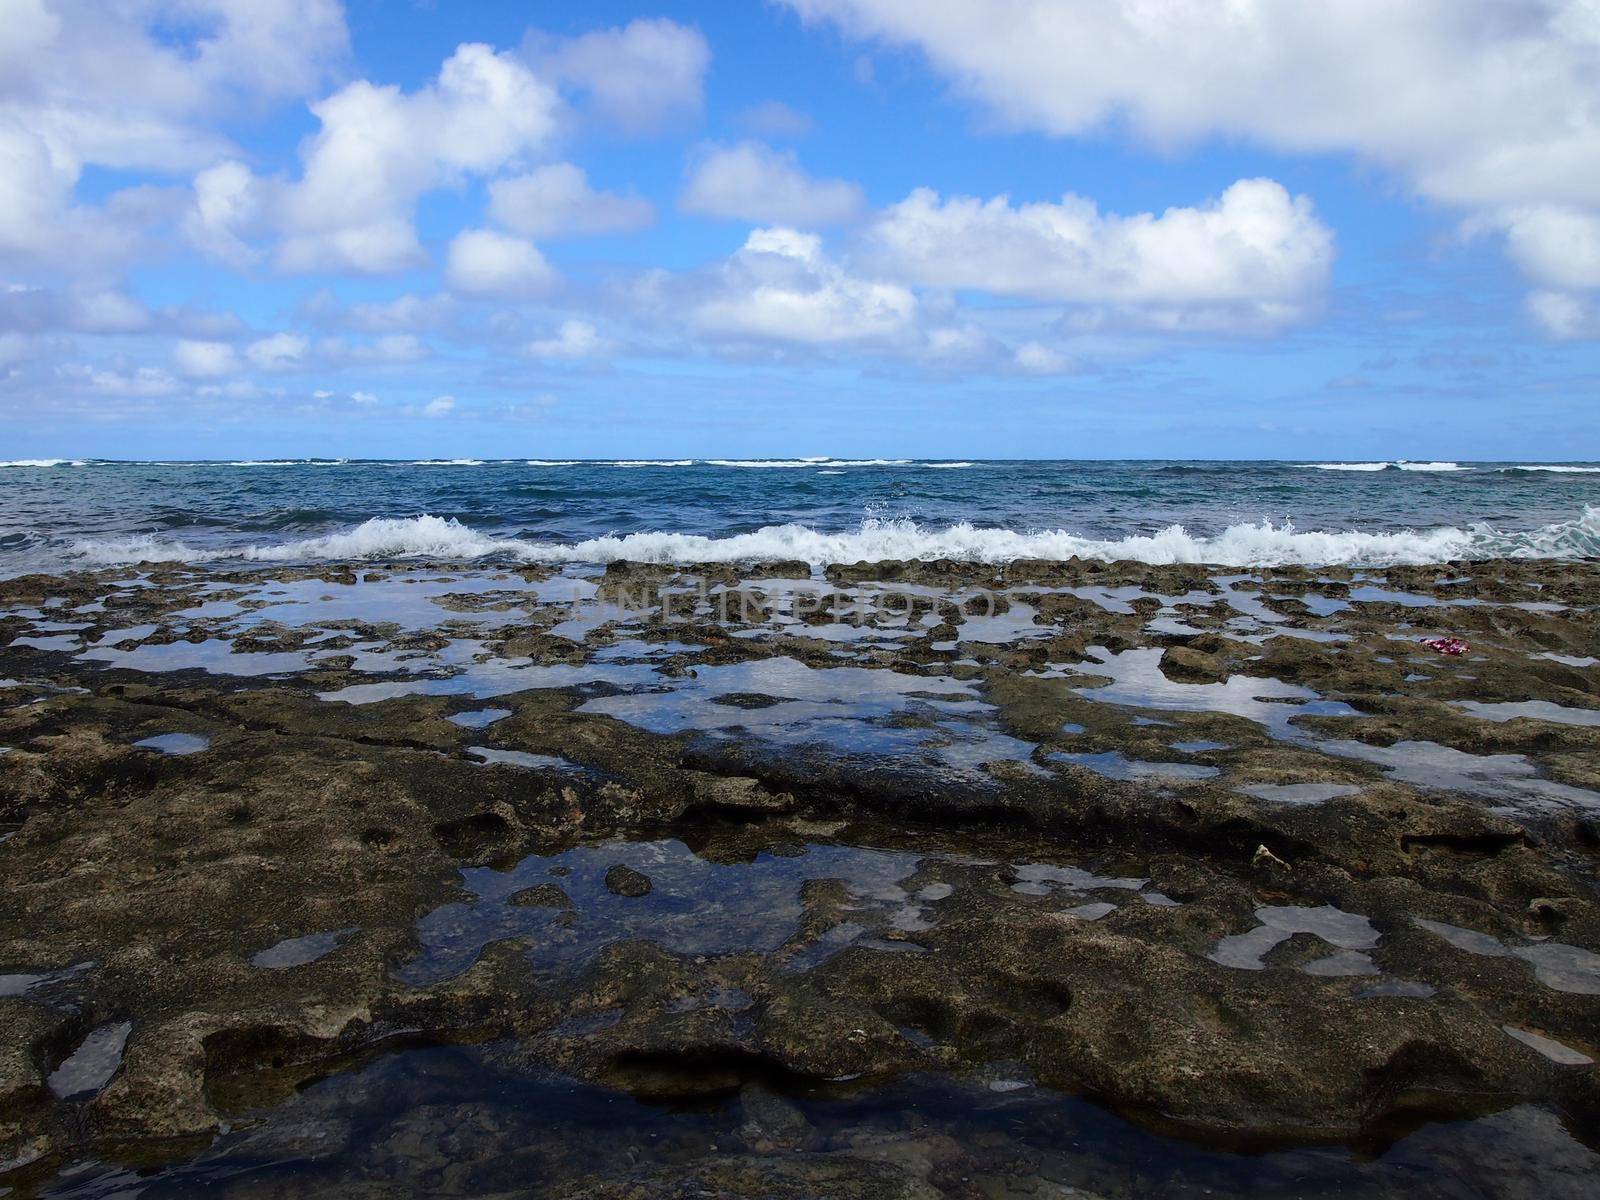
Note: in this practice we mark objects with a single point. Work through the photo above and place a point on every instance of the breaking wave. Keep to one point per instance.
(1552, 468)
(1258, 545)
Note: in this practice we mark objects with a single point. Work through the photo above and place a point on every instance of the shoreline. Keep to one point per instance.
(1228, 850)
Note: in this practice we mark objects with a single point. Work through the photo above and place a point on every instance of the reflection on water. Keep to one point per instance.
(694, 905)
(461, 1122)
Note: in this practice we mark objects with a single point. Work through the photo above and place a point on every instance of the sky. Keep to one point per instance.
(982, 228)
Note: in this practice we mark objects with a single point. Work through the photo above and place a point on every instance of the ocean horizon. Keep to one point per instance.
(95, 512)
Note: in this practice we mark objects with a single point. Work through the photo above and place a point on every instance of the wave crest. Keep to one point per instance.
(1259, 545)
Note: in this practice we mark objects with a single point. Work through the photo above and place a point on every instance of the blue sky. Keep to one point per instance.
(1007, 228)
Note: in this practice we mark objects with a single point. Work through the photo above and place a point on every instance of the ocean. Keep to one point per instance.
(59, 514)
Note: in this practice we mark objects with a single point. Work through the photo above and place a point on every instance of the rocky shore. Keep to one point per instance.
(373, 879)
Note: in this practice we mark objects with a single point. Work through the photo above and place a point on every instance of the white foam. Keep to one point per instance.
(654, 462)
(448, 462)
(765, 462)
(879, 540)
(1430, 466)
(949, 466)
(555, 462)
(42, 462)
(1553, 468)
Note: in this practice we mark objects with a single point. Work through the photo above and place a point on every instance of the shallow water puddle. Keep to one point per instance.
(1555, 964)
(408, 600)
(479, 718)
(1569, 660)
(489, 757)
(694, 905)
(178, 744)
(1430, 766)
(1113, 764)
(90, 1067)
(496, 677)
(460, 1121)
(854, 711)
(298, 951)
(1557, 1052)
(1539, 710)
(1137, 681)
(1299, 793)
(1247, 951)
(43, 981)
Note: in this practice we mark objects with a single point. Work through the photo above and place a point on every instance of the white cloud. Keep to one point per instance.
(484, 262)
(130, 85)
(753, 182)
(142, 382)
(226, 208)
(781, 288)
(575, 339)
(557, 199)
(1255, 251)
(1456, 93)
(379, 149)
(1035, 358)
(1565, 316)
(642, 76)
(1484, 105)
(134, 86)
(392, 349)
(404, 313)
(204, 360)
(439, 406)
(1557, 246)
(278, 352)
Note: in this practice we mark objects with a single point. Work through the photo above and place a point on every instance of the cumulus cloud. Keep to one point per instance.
(204, 360)
(224, 212)
(753, 182)
(781, 287)
(379, 149)
(642, 76)
(1480, 104)
(556, 200)
(485, 262)
(278, 351)
(439, 406)
(1255, 251)
(134, 86)
(1555, 245)
(1565, 316)
(575, 339)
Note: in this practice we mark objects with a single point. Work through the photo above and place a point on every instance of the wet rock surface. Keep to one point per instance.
(920, 879)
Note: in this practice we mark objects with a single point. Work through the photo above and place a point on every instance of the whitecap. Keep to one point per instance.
(37, 462)
(1430, 466)
(448, 462)
(654, 462)
(765, 462)
(552, 462)
(1364, 466)
(946, 466)
(1553, 468)
(876, 540)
